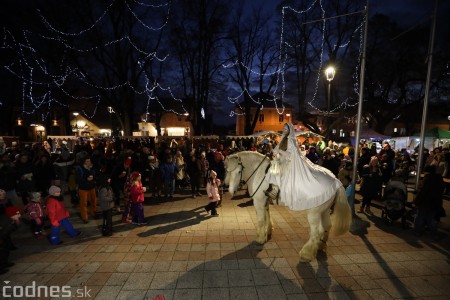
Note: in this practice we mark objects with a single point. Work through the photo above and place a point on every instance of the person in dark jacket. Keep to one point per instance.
(106, 200)
(312, 155)
(8, 179)
(26, 176)
(428, 202)
(86, 188)
(168, 171)
(119, 175)
(194, 170)
(45, 174)
(62, 167)
(9, 218)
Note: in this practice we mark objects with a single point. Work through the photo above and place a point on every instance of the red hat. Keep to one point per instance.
(135, 175)
(127, 161)
(11, 211)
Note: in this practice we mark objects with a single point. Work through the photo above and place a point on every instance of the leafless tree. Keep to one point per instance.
(197, 40)
(253, 58)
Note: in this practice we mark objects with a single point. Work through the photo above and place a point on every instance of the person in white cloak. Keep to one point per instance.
(302, 184)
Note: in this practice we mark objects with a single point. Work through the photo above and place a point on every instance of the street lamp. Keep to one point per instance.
(111, 111)
(329, 73)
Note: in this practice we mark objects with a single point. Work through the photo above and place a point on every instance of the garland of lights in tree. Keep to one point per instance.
(280, 85)
(29, 65)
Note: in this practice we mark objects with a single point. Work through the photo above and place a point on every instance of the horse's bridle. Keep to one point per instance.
(242, 168)
(243, 182)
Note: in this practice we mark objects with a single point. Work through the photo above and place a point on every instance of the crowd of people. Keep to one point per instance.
(114, 175)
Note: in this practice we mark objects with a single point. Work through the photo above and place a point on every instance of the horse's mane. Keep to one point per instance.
(248, 153)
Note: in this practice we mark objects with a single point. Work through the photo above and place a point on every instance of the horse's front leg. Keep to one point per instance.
(269, 225)
(261, 216)
(309, 250)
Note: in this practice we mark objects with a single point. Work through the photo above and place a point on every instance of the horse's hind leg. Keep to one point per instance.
(309, 250)
(326, 224)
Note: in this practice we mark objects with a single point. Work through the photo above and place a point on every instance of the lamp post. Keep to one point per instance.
(111, 111)
(329, 73)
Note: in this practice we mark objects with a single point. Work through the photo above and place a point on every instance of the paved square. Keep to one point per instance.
(185, 254)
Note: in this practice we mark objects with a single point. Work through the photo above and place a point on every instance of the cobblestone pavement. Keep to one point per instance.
(185, 254)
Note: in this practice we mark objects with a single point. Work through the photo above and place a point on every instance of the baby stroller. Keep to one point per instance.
(395, 196)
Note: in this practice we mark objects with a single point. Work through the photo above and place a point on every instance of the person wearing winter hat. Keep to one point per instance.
(212, 189)
(119, 176)
(106, 201)
(127, 212)
(137, 199)
(35, 213)
(59, 216)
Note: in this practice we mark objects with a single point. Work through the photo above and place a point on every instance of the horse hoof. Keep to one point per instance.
(261, 242)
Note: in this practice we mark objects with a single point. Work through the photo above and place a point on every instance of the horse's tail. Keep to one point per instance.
(341, 218)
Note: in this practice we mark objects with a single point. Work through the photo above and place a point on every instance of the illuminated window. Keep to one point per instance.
(280, 118)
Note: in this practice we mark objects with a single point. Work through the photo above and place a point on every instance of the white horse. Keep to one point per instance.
(249, 168)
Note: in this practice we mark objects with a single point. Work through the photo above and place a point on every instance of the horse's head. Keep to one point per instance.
(233, 166)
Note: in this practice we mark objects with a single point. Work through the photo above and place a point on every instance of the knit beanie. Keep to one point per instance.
(12, 211)
(53, 190)
(135, 175)
(34, 196)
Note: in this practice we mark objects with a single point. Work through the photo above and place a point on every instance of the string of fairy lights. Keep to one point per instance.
(280, 72)
(38, 93)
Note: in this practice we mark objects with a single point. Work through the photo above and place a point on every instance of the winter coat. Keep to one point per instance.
(429, 197)
(26, 177)
(213, 190)
(7, 177)
(106, 197)
(180, 164)
(82, 178)
(6, 227)
(345, 176)
(168, 171)
(136, 192)
(56, 211)
(35, 210)
(62, 167)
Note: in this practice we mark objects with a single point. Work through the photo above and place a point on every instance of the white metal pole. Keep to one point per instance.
(425, 100)
(360, 103)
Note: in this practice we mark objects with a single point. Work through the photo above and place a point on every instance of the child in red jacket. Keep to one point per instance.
(137, 199)
(58, 216)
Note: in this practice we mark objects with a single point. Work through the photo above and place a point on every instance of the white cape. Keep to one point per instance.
(303, 185)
